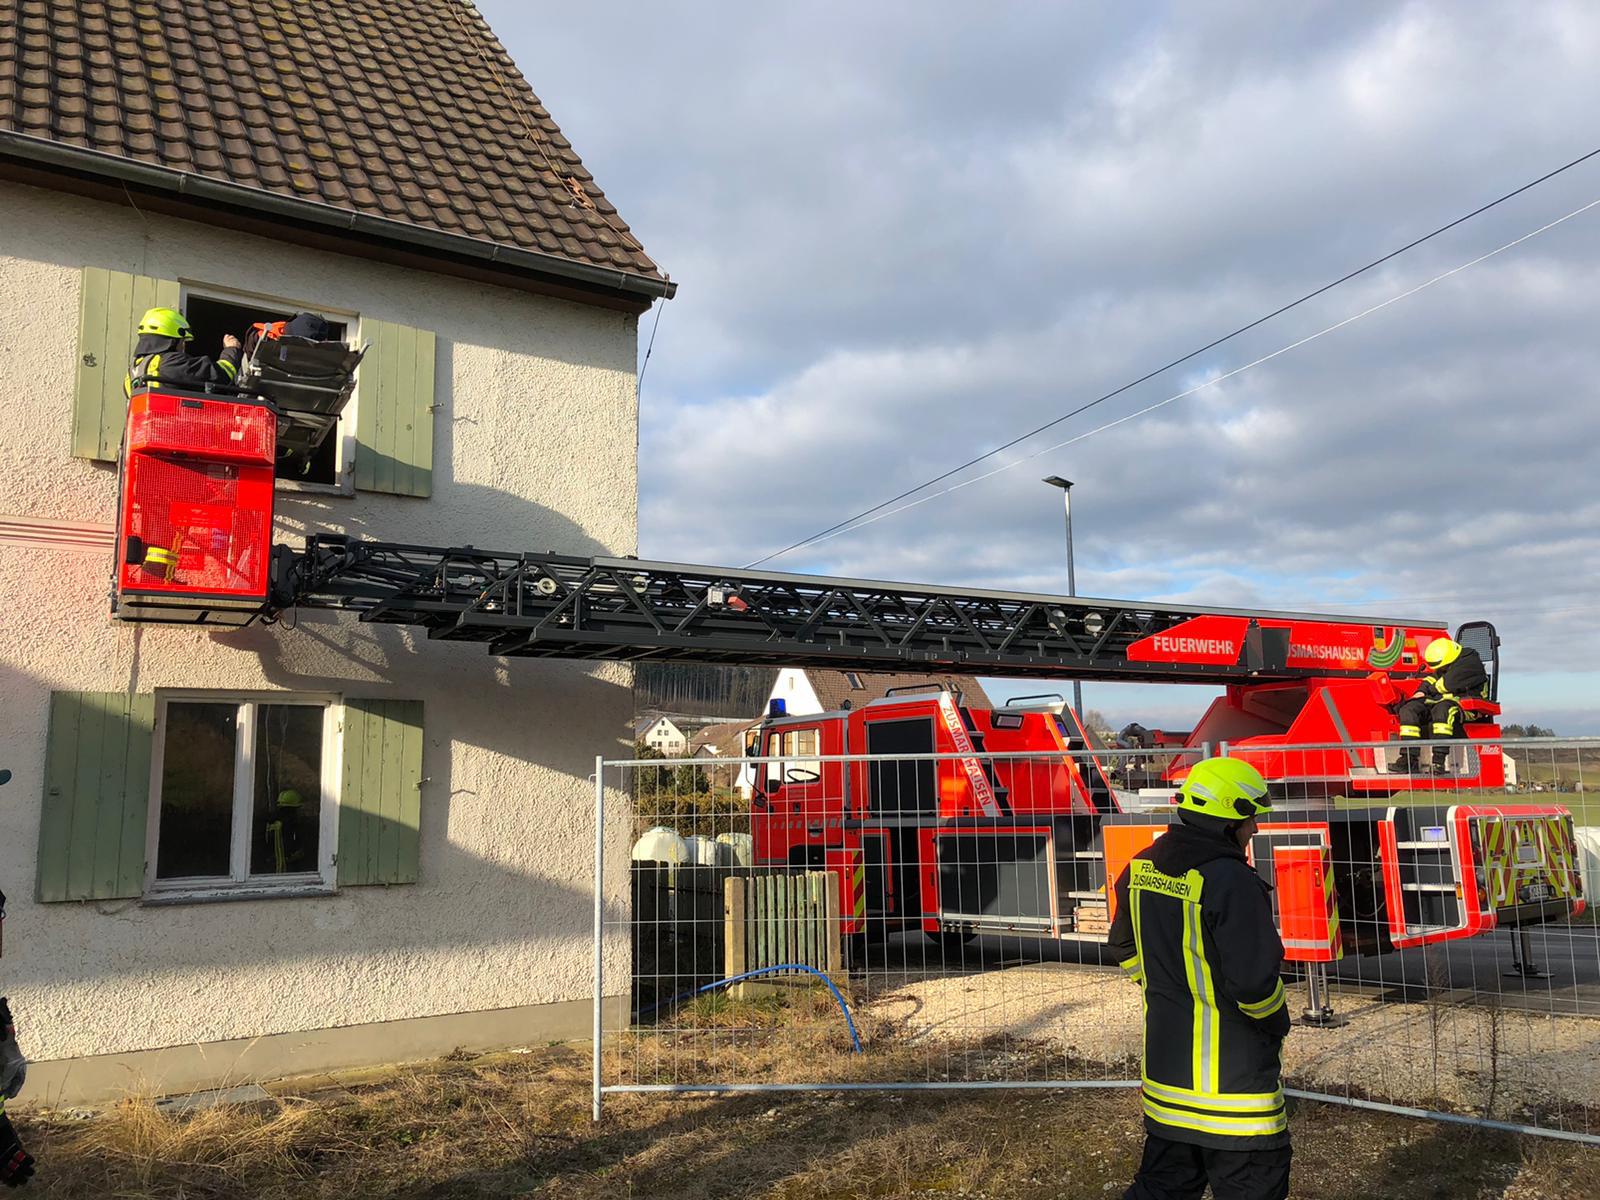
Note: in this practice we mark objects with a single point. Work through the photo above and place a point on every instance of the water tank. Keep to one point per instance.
(703, 852)
(741, 848)
(660, 845)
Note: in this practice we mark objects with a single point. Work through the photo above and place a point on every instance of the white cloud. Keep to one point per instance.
(906, 233)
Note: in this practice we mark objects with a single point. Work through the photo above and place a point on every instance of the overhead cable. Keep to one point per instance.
(1211, 345)
(847, 527)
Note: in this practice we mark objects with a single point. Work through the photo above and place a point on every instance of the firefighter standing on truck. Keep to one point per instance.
(1454, 671)
(1194, 930)
(162, 356)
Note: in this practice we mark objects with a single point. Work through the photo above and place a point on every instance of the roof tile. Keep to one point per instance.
(412, 112)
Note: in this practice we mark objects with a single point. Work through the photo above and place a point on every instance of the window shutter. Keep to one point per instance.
(380, 801)
(394, 410)
(110, 305)
(96, 796)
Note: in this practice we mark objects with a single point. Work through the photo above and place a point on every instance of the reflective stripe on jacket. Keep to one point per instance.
(169, 361)
(1194, 930)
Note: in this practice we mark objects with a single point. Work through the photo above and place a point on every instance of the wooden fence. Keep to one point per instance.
(778, 919)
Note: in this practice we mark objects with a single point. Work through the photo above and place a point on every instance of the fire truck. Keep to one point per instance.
(1020, 826)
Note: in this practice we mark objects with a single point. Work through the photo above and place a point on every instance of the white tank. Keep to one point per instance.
(741, 849)
(703, 852)
(660, 845)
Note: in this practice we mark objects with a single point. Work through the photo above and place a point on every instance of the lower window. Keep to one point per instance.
(244, 797)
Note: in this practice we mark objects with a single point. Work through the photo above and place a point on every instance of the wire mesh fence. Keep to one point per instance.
(907, 918)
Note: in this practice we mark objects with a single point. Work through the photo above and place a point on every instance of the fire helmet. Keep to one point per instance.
(165, 322)
(1441, 652)
(1226, 788)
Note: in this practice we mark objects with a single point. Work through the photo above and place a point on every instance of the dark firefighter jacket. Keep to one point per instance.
(1194, 930)
(169, 361)
(1463, 677)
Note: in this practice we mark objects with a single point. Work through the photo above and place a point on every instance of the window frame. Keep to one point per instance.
(240, 884)
(344, 463)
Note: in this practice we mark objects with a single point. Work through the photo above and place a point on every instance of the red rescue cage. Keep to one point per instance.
(195, 510)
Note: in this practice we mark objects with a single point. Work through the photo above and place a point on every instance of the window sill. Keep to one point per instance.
(314, 489)
(238, 891)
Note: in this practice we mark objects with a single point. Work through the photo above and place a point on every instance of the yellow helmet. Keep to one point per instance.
(1226, 788)
(165, 322)
(1441, 652)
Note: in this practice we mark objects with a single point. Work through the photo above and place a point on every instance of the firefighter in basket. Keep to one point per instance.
(162, 356)
(1194, 930)
(1454, 671)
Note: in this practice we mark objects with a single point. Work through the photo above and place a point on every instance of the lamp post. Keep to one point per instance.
(1072, 579)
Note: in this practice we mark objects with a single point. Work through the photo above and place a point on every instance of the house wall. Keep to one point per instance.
(535, 438)
(796, 692)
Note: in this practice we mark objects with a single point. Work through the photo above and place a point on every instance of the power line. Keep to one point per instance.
(1212, 382)
(1277, 312)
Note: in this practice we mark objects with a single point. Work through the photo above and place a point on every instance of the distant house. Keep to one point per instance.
(810, 691)
(721, 741)
(659, 733)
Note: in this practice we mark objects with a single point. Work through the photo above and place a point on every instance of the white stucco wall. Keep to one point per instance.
(535, 442)
(795, 690)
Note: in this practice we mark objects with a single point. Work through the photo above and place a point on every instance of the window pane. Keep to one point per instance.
(197, 790)
(286, 812)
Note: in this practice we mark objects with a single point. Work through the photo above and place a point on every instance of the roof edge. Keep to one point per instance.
(512, 260)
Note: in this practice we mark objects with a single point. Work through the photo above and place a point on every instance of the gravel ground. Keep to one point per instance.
(1446, 1050)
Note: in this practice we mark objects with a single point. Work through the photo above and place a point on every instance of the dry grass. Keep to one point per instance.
(518, 1125)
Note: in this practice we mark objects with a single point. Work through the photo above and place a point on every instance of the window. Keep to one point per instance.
(211, 317)
(244, 796)
(798, 748)
(854, 680)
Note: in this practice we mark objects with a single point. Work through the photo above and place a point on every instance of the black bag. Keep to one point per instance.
(309, 326)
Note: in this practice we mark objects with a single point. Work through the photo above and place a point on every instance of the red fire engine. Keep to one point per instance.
(1020, 828)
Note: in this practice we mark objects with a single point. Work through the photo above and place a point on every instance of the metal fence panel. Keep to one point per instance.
(917, 920)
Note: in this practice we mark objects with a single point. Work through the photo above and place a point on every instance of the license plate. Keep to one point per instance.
(1537, 891)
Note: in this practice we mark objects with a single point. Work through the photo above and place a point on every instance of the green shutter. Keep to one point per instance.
(96, 796)
(380, 801)
(394, 410)
(110, 306)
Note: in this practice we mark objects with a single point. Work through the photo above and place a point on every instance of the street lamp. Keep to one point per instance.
(1072, 579)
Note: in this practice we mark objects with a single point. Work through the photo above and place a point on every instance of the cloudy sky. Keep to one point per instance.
(906, 233)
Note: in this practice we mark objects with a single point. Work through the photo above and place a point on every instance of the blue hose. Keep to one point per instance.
(855, 1040)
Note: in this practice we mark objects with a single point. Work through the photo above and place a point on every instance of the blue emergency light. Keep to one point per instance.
(777, 708)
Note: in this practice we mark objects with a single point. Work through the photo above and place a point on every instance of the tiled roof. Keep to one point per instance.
(833, 688)
(412, 112)
(725, 740)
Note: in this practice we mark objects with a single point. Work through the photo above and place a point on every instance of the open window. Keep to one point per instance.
(212, 316)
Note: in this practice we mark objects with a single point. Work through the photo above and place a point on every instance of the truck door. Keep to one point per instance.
(902, 795)
(797, 787)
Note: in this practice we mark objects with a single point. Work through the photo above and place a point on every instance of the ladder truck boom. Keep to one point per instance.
(548, 605)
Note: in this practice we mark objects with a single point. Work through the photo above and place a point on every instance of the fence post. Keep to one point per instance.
(830, 909)
(733, 922)
(599, 917)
